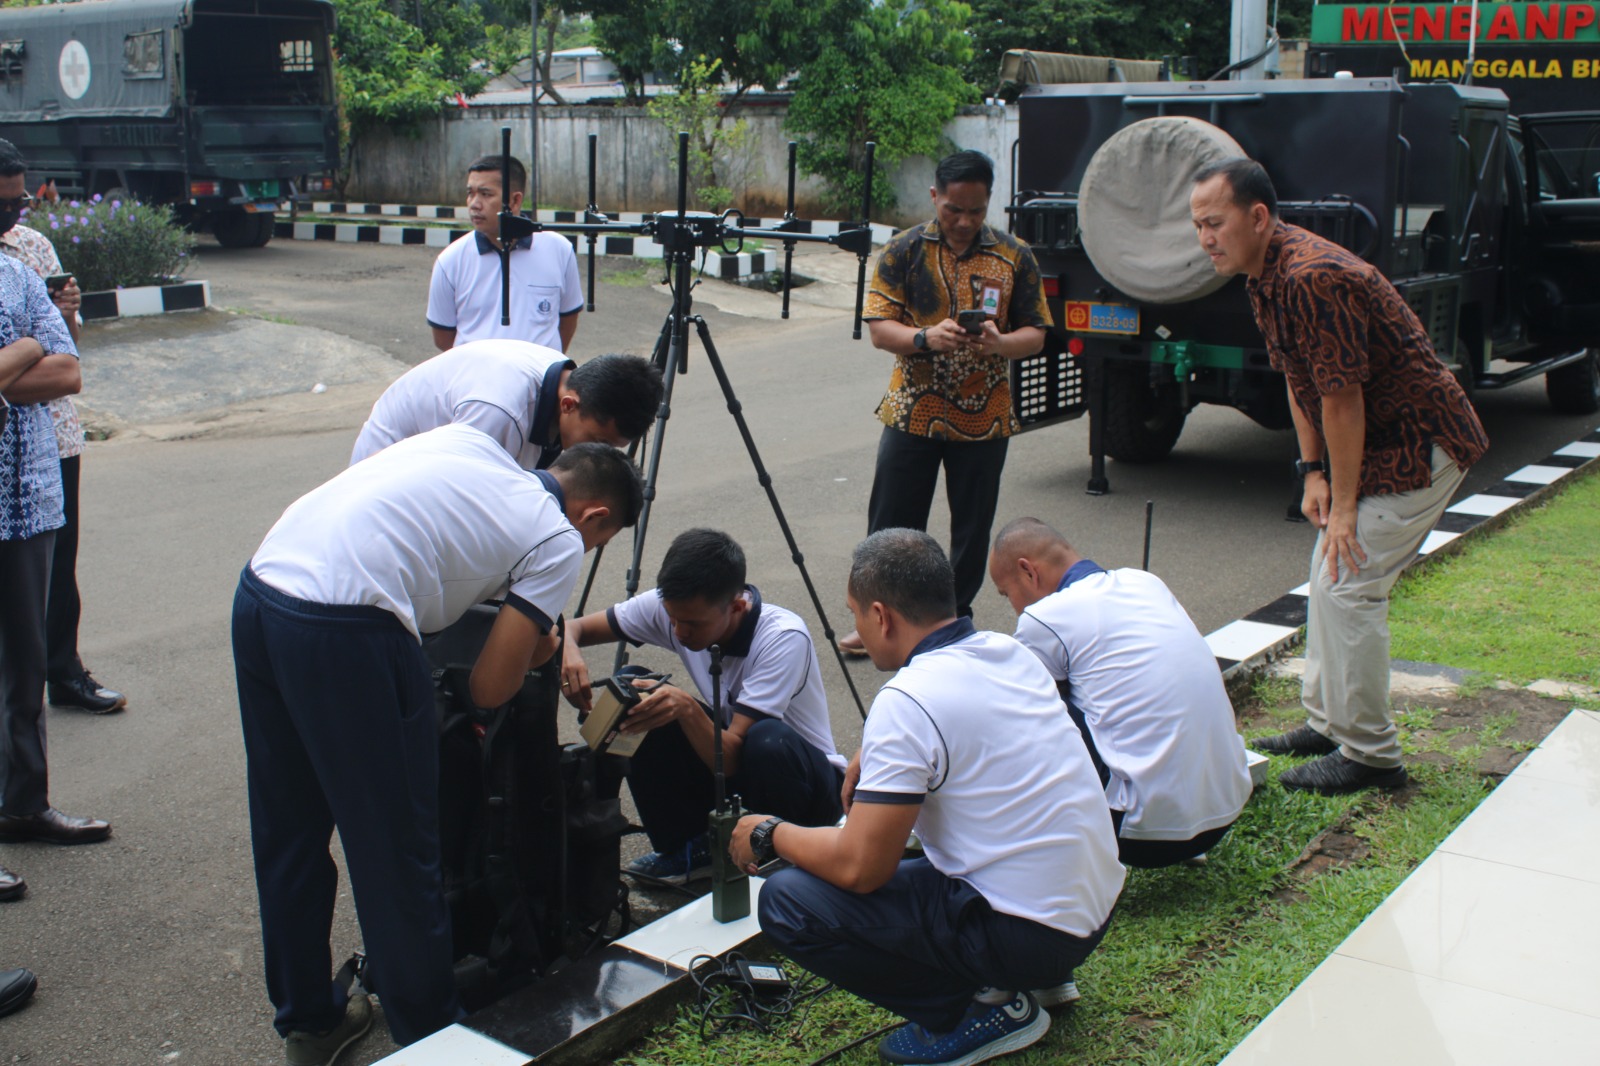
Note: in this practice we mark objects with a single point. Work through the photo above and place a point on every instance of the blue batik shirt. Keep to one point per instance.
(30, 464)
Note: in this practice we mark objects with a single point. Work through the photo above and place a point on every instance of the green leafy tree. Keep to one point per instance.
(885, 72)
(721, 152)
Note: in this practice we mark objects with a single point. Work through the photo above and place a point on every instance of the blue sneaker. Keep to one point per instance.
(987, 1032)
(678, 867)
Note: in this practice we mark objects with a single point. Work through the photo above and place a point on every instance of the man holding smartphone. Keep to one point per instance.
(953, 301)
(70, 684)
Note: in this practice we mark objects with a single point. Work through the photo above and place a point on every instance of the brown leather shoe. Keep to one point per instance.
(11, 886)
(52, 827)
(851, 645)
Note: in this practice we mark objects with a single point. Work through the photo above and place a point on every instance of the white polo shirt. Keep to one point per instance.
(425, 529)
(971, 726)
(464, 294)
(1151, 693)
(507, 389)
(769, 668)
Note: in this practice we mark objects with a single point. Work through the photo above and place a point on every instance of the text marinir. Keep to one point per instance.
(1424, 23)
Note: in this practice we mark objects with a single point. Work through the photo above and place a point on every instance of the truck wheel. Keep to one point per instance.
(1574, 389)
(1143, 421)
(236, 229)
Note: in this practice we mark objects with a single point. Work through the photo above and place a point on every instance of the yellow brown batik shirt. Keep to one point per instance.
(919, 281)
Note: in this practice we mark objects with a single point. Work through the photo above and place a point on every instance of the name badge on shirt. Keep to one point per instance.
(990, 302)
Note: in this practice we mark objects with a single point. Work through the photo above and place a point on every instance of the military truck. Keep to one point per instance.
(1488, 225)
(223, 109)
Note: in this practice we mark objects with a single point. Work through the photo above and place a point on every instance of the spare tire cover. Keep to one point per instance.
(1133, 208)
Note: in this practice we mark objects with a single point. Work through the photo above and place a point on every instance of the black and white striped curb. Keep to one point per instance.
(1247, 643)
(145, 300)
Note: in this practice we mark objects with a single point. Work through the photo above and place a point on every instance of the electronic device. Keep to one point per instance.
(57, 281)
(762, 976)
(730, 886)
(614, 698)
(972, 321)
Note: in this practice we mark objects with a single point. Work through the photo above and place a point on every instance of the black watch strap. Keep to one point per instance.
(1302, 468)
(761, 844)
(920, 341)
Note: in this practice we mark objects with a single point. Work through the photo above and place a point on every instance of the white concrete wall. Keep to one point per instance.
(637, 169)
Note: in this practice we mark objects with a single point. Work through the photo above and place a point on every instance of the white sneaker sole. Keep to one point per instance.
(1066, 992)
(1026, 1036)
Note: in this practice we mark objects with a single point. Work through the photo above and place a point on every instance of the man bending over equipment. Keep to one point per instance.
(969, 744)
(534, 401)
(777, 741)
(1140, 683)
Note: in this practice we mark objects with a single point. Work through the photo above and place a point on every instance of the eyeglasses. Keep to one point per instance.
(19, 204)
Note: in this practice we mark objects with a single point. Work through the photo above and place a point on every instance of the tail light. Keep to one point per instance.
(205, 188)
(1052, 286)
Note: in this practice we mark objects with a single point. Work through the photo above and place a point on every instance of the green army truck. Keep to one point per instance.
(223, 109)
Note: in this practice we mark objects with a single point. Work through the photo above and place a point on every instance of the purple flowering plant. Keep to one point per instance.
(115, 246)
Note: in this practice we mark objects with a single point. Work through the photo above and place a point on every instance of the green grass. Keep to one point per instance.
(1518, 605)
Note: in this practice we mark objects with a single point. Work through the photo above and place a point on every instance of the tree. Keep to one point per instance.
(884, 72)
(720, 154)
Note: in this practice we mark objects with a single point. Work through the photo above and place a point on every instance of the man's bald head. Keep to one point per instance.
(1028, 561)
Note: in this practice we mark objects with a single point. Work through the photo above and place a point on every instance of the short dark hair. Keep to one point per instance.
(907, 570)
(519, 173)
(11, 161)
(704, 564)
(964, 166)
(600, 472)
(623, 389)
(1248, 179)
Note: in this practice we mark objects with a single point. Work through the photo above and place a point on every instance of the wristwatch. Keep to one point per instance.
(1302, 468)
(761, 845)
(920, 341)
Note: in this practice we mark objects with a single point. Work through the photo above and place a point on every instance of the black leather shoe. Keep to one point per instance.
(1334, 774)
(11, 886)
(1301, 740)
(16, 988)
(52, 827)
(86, 694)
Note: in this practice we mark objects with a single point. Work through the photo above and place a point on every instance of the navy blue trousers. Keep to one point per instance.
(779, 773)
(340, 731)
(920, 946)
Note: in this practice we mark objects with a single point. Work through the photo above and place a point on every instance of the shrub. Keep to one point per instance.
(114, 244)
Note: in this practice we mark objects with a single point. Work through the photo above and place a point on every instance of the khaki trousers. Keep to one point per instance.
(1346, 686)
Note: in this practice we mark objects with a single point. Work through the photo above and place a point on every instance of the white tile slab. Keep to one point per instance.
(1436, 539)
(1354, 1012)
(1242, 638)
(1581, 449)
(1570, 754)
(691, 930)
(1539, 475)
(456, 1046)
(1549, 826)
(1301, 590)
(1487, 506)
(1257, 765)
(1493, 927)
(144, 300)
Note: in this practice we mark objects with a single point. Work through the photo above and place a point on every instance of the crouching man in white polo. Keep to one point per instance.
(969, 744)
(1140, 682)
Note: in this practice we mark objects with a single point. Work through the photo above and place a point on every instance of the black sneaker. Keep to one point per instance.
(1301, 740)
(86, 694)
(1334, 774)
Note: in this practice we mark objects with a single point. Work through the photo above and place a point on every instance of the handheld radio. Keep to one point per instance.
(730, 886)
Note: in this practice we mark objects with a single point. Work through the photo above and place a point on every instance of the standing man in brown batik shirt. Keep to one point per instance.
(949, 398)
(1386, 435)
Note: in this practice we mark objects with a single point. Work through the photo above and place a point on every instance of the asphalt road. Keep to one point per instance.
(147, 946)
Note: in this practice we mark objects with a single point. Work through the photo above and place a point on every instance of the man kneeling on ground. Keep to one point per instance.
(1140, 683)
(777, 741)
(969, 744)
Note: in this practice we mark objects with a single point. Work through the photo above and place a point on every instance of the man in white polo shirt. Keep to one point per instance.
(533, 400)
(969, 744)
(1140, 683)
(777, 740)
(336, 697)
(464, 294)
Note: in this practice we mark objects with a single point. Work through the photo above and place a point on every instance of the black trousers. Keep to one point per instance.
(65, 606)
(779, 773)
(24, 578)
(902, 496)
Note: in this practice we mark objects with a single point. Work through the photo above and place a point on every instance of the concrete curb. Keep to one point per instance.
(145, 300)
(1246, 644)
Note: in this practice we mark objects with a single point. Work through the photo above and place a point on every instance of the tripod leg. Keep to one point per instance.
(737, 410)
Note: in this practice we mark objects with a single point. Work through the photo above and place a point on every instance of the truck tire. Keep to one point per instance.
(1133, 208)
(1143, 421)
(237, 229)
(1574, 389)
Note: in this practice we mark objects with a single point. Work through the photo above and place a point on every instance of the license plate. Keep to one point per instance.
(262, 190)
(1086, 317)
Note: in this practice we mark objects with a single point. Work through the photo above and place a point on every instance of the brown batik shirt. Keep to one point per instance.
(1331, 320)
(919, 281)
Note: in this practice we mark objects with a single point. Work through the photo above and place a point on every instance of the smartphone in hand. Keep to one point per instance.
(57, 282)
(971, 321)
